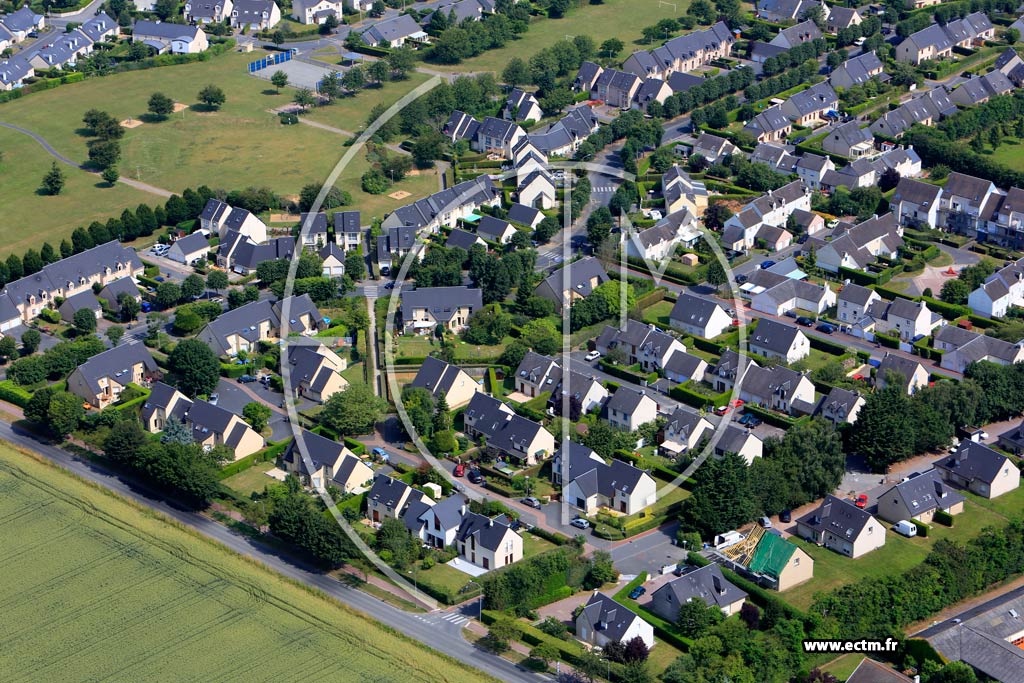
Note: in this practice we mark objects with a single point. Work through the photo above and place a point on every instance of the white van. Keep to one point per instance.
(905, 528)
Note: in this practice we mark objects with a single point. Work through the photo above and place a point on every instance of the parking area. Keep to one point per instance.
(300, 74)
(233, 397)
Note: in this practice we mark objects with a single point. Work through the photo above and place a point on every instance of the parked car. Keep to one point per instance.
(475, 477)
(826, 328)
(790, 314)
(861, 501)
(766, 264)
(592, 356)
(390, 284)
(532, 502)
(246, 379)
(786, 516)
(740, 279)
(580, 523)
(159, 278)
(765, 523)
(213, 399)
(459, 470)
(905, 527)
(750, 420)
(637, 592)
(736, 403)
(800, 139)
(146, 307)
(805, 321)
(382, 454)
(721, 410)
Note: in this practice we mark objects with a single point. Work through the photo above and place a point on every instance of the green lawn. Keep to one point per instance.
(832, 570)
(242, 144)
(354, 374)
(97, 588)
(658, 313)
(442, 576)
(1009, 505)
(613, 19)
(253, 479)
(29, 218)
(351, 113)
(1009, 154)
(535, 545)
(844, 666)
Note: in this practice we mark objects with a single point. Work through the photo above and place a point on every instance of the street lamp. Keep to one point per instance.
(480, 602)
(527, 485)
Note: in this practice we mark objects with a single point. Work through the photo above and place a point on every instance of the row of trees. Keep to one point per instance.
(528, 583)
(55, 363)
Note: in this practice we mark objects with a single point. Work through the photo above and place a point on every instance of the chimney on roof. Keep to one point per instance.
(462, 510)
(719, 588)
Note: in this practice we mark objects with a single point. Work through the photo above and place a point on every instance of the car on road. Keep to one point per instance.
(790, 314)
(593, 355)
(637, 592)
(826, 328)
(532, 502)
(146, 307)
(390, 284)
(580, 523)
(750, 420)
(246, 379)
(805, 321)
(380, 452)
(159, 278)
(475, 477)
(786, 516)
(459, 470)
(721, 410)
(736, 403)
(766, 264)
(861, 501)
(800, 139)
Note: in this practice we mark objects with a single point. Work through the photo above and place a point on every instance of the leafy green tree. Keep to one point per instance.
(419, 406)
(104, 154)
(611, 47)
(716, 215)
(545, 652)
(212, 96)
(193, 286)
(30, 340)
(489, 325)
(160, 105)
(176, 431)
(114, 334)
(257, 415)
(64, 413)
(53, 181)
(599, 226)
(501, 632)
(375, 182)
(352, 411)
(85, 321)
(8, 349)
(696, 617)
(716, 274)
(196, 367)
(355, 265)
(217, 280)
(168, 295)
(723, 498)
(304, 98)
(954, 292)
(393, 538)
(279, 80)
(884, 431)
(126, 438)
(516, 72)
(110, 175)
(130, 307)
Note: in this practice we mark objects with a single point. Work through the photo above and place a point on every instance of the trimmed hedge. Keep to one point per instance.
(770, 416)
(448, 597)
(708, 346)
(922, 528)
(12, 393)
(233, 371)
(681, 392)
(942, 517)
(568, 650)
(827, 346)
(551, 536)
(271, 452)
(887, 340)
(620, 372)
(947, 311)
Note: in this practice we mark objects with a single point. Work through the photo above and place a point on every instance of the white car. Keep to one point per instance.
(593, 355)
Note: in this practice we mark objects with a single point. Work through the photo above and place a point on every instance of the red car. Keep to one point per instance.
(862, 501)
(721, 410)
(460, 470)
(736, 403)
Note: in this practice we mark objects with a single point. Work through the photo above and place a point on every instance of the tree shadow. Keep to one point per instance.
(152, 118)
(268, 91)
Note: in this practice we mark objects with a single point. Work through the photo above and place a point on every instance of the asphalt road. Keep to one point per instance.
(970, 613)
(440, 630)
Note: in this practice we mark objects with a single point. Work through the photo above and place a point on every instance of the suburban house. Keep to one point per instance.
(439, 523)
(388, 498)
(919, 497)
(163, 37)
(681, 191)
(925, 109)
(165, 403)
(82, 301)
(772, 208)
(916, 203)
(740, 441)
(628, 409)
(842, 527)
(21, 22)
(778, 388)
(683, 431)
(14, 71)
(447, 206)
(522, 106)
(587, 392)
(797, 34)
(1000, 291)
(189, 249)
(463, 240)
(780, 11)
(644, 344)
(214, 426)
(812, 169)
(870, 671)
(859, 246)
(491, 136)
(506, 433)
(563, 137)
(703, 583)
(495, 230)
(853, 301)
(913, 375)
(537, 374)
(332, 463)
(23, 299)
(659, 241)
(840, 406)
(784, 564)
(587, 76)
(849, 140)
(397, 242)
(488, 542)
(857, 70)
(604, 621)
(316, 11)
(840, 18)
(100, 380)
(1012, 440)
(529, 216)
(589, 483)
(937, 41)
(314, 371)
(394, 32)
(220, 218)
(64, 51)
(313, 228)
(242, 255)
(981, 89)
(809, 106)
(770, 125)
(573, 281)
(444, 379)
(714, 148)
(979, 469)
(333, 260)
(962, 347)
(682, 367)
(777, 294)
(731, 368)
(962, 206)
(537, 189)
(112, 294)
(775, 157)
(207, 11)
(680, 54)
(699, 316)
(900, 317)
(347, 233)
(425, 308)
(779, 341)
(243, 328)
(987, 639)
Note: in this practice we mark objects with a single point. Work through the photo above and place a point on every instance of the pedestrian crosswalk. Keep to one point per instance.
(603, 188)
(455, 618)
(435, 618)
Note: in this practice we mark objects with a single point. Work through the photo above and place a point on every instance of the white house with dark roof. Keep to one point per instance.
(348, 234)
(858, 70)
(714, 148)
(189, 249)
(488, 542)
(207, 11)
(918, 497)
(316, 11)
(699, 316)
(859, 246)
(702, 583)
(742, 442)
(900, 317)
(14, 71)
(809, 106)
(424, 308)
(960, 350)
(849, 140)
(586, 76)
(593, 483)
(537, 374)
(683, 431)
(389, 497)
(641, 343)
(778, 388)
(730, 369)
(522, 106)
(507, 434)
(779, 341)
(682, 367)
(537, 189)
(463, 240)
(166, 37)
(82, 301)
(842, 527)
(770, 125)
(788, 10)
(439, 523)
(333, 464)
(913, 375)
(628, 409)
(446, 207)
(529, 216)
(979, 469)
(916, 203)
(798, 34)
(315, 236)
(840, 406)
(101, 379)
(775, 157)
(812, 168)
(1000, 291)
(603, 621)
(394, 32)
(589, 393)
(853, 302)
(444, 379)
(682, 53)
(778, 294)
(660, 241)
(840, 18)
(21, 22)
(243, 328)
(495, 230)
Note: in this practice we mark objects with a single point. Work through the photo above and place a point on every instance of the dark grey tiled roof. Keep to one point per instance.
(837, 516)
(974, 461)
(705, 583)
(608, 617)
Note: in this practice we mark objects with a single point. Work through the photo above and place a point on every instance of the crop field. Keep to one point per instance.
(96, 589)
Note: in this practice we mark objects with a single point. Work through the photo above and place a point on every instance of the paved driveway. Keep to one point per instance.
(234, 398)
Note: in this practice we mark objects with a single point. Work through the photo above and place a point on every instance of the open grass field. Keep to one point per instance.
(249, 480)
(1009, 154)
(613, 19)
(96, 589)
(832, 570)
(420, 185)
(30, 218)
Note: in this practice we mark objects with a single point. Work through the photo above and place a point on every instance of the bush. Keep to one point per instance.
(922, 528)
(942, 517)
(12, 393)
